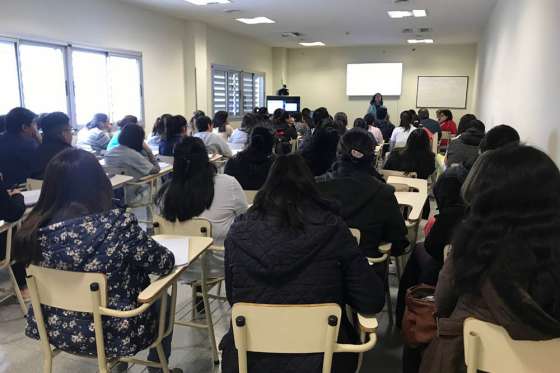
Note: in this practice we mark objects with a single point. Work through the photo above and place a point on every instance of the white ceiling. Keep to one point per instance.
(366, 21)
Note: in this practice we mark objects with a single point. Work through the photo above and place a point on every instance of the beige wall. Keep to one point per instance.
(318, 75)
(518, 78)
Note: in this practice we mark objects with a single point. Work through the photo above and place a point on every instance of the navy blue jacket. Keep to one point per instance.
(17, 158)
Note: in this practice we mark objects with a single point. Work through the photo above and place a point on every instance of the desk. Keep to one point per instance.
(419, 184)
(118, 181)
(413, 199)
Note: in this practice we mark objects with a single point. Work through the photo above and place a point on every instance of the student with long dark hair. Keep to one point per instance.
(129, 119)
(504, 264)
(320, 150)
(291, 247)
(18, 145)
(250, 167)
(222, 124)
(57, 137)
(175, 130)
(240, 136)
(384, 124)
(74, 227)
(375, 103)
(95, 135)
(158, 131)
(400, 134)
(416, 157)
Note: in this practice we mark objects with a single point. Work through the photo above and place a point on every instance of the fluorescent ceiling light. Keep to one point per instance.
(313, 44)
(208, 2)
(407, 13)
(255, 21)
(420, 41)
(399, 13)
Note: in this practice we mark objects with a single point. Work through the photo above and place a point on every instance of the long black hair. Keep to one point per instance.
(406, 120)
(372, 102)
(289, 186)
(512, 233)
(132, 136)
(191, 189)
(75, 185)
(221, 120)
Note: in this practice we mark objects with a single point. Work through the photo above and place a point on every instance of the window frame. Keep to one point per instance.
(240, 91)
(67, 49)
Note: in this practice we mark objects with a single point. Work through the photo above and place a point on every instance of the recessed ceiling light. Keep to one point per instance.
(420, 41)
(255, 21)
(419, 13)
(312, 44)
(208, 2)
(399, 13)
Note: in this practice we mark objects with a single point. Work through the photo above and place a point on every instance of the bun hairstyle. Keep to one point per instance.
(358, 147)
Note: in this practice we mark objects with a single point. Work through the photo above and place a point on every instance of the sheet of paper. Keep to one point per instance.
(31, 197)
(178, 246)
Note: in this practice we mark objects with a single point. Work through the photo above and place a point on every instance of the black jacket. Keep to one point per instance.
(250, 168)
(386, 129)
(465, 149)
(319, 151)
(11, 209)
(401, 160)
(442, 231)
(271, 264)
(366, 204)
(44, 153)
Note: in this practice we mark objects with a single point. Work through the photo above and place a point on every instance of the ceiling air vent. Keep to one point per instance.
(407, 31)
(292, 34)
(423, 30)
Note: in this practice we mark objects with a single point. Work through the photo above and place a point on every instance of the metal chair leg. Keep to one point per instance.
(208, 311)
(17, 291)
(389, 300)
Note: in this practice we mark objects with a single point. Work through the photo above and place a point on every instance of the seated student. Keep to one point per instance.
(250, 167)
(129, 119)
(464, 123)
(215, 144)
(320, 150)
(132, 158)
(18, 145)
(362, 124)
(291, 247)
(95, 135)
(240, 136)
(447, 124)
(2, 124)
(175, 131)
(158, 132)
(375, 131)
(498, 137)
(465, 148)
(301, 124)
(284, 131)
(416, 157)
(196, 190)
(12, 207)
(426, 122)
(384, 124)
(415, 119)
(222, 125)
(341, 122)
(74, 227)
(504, 265)
(366, 202)
(191, 128)
(401, 133)
(57, 137)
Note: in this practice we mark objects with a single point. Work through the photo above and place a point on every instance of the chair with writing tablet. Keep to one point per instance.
(196, 227)
(6, 263)
(87, 292)
(34, 184)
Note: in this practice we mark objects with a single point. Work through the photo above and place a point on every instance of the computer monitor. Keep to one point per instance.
(289, 103)
(274, 105)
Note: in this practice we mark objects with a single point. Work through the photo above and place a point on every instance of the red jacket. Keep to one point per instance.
(448, 126)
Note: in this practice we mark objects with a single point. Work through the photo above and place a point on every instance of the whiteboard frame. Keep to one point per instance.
(443, 76)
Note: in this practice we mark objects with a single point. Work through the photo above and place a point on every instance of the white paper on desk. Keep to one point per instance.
(31, 197)
(178, 246)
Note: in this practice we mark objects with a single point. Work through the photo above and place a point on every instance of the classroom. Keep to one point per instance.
(261, 186)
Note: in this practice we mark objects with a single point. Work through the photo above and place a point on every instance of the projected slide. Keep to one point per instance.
(366, 79)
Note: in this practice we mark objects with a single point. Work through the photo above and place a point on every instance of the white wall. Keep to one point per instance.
(318, 75)
(518, 77)
(111, 24)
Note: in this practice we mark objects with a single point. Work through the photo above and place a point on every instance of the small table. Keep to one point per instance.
(420, 185)
(415, 200)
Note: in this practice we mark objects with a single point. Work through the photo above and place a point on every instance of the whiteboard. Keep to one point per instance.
(367, 79)
(448, 92)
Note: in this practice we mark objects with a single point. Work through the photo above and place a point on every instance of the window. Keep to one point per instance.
(79, 81)
(9, 93)
(236, 92)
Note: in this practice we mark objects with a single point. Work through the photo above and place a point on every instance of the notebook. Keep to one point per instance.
(31, 197)
(179, 246)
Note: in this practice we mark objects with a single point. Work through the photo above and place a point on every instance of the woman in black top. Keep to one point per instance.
(416, 157)
(250, 167)
(57, 136)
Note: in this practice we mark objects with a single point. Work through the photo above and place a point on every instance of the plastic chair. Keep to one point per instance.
(7, 262)
(196, 227)
(294, 329)
(489, 348)
(385, 250)
(87, 292)
(445, 137)
(34, 184)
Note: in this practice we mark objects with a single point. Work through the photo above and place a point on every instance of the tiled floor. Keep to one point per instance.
(191, 351)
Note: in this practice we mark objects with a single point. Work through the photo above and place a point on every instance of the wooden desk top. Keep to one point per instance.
(419, 184)
(118, 181)
(413, 199)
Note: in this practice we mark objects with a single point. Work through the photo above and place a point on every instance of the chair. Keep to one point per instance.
(446, 252)
(435, 143)
(7, 262)
(87, 292)
(385, 250)
(294, 329)
(445, 137)
(489, 348)
(34, 184)
(196, 227)
(387, 173)
(250, 195)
